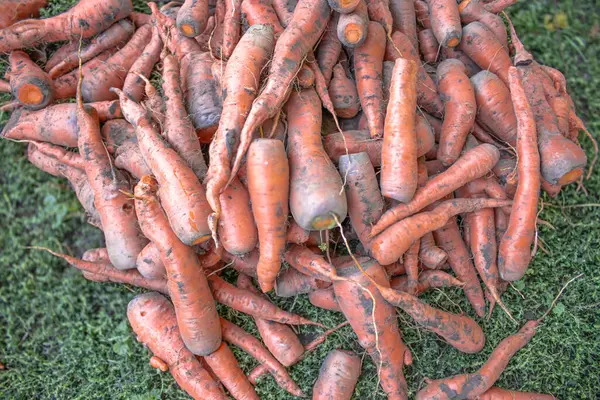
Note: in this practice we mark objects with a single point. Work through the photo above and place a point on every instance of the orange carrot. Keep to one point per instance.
(422, 13)
(460, 109)
(292, 283)
(399, 153)
(353, 28)
(316, 189)
(95, 17)
(411, 265)
(29, 84)
(496, 6)
(66, 86)
(368, 64)
(405, 19)
(261, 12)
(309, 263)
(338, 376)
(269, 196)
(379, 11)
(152, 318)
(324, 298)
(472, 165)
(284, 10)
(344, 6)
(329, 49)
(225, 366)
(445, 22)
(474, 10)
(470, 65)
(305, 77)
(134, 85)
(115, 36)
(140, 19)
(343, 94)
(235, 335)
(12, 11)
(182, 196)
(194, 305)
(231, 27)
(123, 145)
(192, 17)
(395, 269)
(496, 393)
(429, 46)
(427, 280)
(149, 263)
(245, 264)
(237, 230)
(296, 234)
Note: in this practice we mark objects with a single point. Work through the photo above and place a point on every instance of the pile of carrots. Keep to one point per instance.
(409, 132)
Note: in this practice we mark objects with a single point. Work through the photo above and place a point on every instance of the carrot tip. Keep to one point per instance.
(570, 176)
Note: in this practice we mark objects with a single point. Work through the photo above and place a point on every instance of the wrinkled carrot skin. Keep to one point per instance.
(460, 109)
(494, 106)
(280, 339)
(427, 95)
(115, 36)
(338, 376)
(344, 6)
(329, 49)
(368, 64)
(429, 46)
(96, 85)
(292, 283)
(427, 280)
(379, 11)
(481, 45)
(224, 365)
(12, 11)
(399, 175)
(497, 6)
(152, 318)
(269, 196)
(430, 254)
(261, 12)
(306, 261)
(29, 84)
(133, 86)
(192, 17)
(445, 22)
(98, 15)
(353, 28)
(122, 144)
(405, 19)
(237, 230)
(149, 263)
(245, 264)
(194, 305)
(235, 335)
(325, 299)
(474, 10)
(231, 27)
(515, 248)
(315, 185)
(344, 95)
(66, 86)
(475, 384)
(304, 30)
(496, 393)
(473, 164)
(388, 246)
(365, 204)
(366, 317)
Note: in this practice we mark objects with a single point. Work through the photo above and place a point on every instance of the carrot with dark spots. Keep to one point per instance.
(427, 280)
(123, 145)
(17, 10)
(329, 49)
(149, 263)
(338, 376)
(428, 46)
(292, 283)
(192, 17)
(353, 28)
(232, 24)
(134, 85)
(224, 365)
(405, 19)
(309, 263)
(445, 22)
(474, 10)
(29, 84)
(379, 11)
(66, 86)
(261, 12)
(325, 299)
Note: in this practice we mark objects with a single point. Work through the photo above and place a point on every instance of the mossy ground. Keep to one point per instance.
(63, 337)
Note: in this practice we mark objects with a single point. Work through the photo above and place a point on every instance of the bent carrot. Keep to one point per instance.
(445, 22)
(338, 376)
(134, 85)
(192, 17)
(29, 84)
(353, 28)
(427, 280)
(224, 365)
(194, 305)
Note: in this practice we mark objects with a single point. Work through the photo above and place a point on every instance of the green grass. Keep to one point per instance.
(63, 337)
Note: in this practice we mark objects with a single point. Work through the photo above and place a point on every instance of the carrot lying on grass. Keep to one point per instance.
(388, 246)
(66, 86)
(152, 318)
(269, 196)
(134, 84)
(474, 10)
(368, 64)
(329, 49)
(149, 263)
(472, 165)
(316, 189)
(235, 335)
(405, 20)
(122, 144)
(292, 283)
(182, 196)
(374, 322)
(325, 299)
(399, 153)
(29, 84)
(237, 229)
(427, 280)
(96, 16)
(194, 305)
(496, 393)
(428, 46)
(115, 36)
(225, 366)
(459, 106)
(353, 28)
(279, 338)
(338, 376)
(304, 30)
(12, 11)
(445, 22)
(192, 17)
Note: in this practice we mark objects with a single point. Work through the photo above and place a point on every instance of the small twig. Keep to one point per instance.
(558, 296)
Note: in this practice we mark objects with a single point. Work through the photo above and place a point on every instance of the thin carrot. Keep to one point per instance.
(231, 27)
(496, 6)
(422, 13)
(309, 263)
(329, 49)
(379, 11)
(245, 264)
(285, 10)
(429, 46)
(427, 280)
(474, 10)
(292, 283)
(224, 365)
(134, 85)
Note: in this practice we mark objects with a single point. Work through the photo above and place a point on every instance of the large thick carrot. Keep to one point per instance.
(482, 46)
(329, 49)
(365, 204)
(235, 335)
(240, 85)
(445, 22)
(429, 46)
(316, 189)
(325, 299)
(96, 85)
(399, 175)
(368, 68)
(427, 280)
(152, 318)
(460, 109)
(134, 84)
(29, 84)
(338, 376)
(194, 305)
(12, 11)
(261, 12)
(86, 19)
(192, 17)
(344, 95)
(405, 20)
(224, 365)
(182, 196)
(474, 164)
(269, 196)
(374, 322)
(494, 106)
(389, 246)
(379, 11)
(115, 36)
(279, 338)
(66, 86)
(475, 384)
(353, 28)
(304, 30)
(496, 393)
